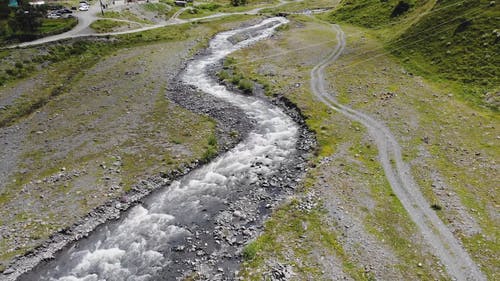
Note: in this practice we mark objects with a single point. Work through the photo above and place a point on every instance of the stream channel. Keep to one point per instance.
(197, 225)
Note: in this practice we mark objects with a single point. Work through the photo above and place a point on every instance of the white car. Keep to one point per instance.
(53, 16)
(83, 8)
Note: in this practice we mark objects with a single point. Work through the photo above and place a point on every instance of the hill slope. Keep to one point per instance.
(374, 14)
(458, 43)
(452, 40)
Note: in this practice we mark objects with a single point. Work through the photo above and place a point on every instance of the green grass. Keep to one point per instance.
(369, 13)
(103, 26)
(456, 44)
(157, 7)
(126, 15)
(449, 41)
(56, 26)
(452, 45)
(75, 56)
(211, 149)
(48, 27)
(207, 8)
(299, 6)
(230, 74)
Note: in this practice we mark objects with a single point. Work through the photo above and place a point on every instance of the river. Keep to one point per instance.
(146, 243)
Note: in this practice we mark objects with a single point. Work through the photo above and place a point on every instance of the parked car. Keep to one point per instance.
(180, 3)
(65, 11)
(83, 8)
(53, 16)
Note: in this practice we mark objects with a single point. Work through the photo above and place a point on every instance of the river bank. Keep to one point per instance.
(274, 185)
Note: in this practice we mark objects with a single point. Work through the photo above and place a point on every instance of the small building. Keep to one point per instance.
(37, 3)
(13, 3)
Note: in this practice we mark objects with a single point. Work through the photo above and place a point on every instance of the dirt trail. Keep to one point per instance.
(446, 247)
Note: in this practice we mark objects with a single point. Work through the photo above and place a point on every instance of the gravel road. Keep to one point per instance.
(447, 248)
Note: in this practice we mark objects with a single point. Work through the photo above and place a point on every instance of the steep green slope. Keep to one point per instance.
(369, 13)
(458, 43)
(452, 41)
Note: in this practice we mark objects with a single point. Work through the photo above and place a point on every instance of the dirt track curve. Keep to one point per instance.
(448, 249)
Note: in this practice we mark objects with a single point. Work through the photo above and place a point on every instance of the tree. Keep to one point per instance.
(238, 2)
(4, 16)
(4, 9)
(26, 19)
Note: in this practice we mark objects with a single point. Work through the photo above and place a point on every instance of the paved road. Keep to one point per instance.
(86, 18)
(447, 248)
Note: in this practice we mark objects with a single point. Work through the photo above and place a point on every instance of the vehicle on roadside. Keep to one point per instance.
(180, 3)
(83, 8)
(53, 16)
(65, 11)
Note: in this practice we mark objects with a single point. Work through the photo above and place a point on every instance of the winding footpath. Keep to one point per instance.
(447, 248)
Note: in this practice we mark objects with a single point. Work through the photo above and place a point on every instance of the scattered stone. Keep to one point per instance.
(9, 270)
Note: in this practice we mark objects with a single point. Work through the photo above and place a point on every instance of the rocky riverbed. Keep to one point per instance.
(212, 248)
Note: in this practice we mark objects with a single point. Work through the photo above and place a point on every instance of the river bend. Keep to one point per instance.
(139, 246)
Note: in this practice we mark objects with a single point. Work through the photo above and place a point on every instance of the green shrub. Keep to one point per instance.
(236, 79)
(436, 207)
(229, 61)
(194, 11)
(224, 75)
(102, 26)
(250, 251)
(209, 6)
(212, 141)
(209, 154)
(238, 2)
(246, 86)
(401, 8)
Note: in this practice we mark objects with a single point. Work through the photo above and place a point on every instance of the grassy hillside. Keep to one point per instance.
(452, 41)
(458, 43)
(369, 13)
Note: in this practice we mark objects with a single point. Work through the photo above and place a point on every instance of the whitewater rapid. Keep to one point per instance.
(137, 247)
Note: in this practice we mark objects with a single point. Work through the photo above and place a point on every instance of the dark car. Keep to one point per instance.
(65, 11)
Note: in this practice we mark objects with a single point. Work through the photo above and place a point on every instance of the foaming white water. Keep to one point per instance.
(134, 249)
